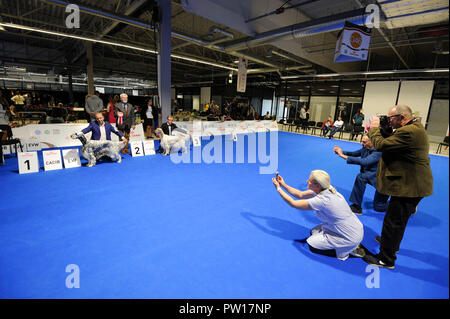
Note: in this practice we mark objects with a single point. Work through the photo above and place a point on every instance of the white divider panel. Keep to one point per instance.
(137, 149)
(417, 95)
(71, 158)
(28, 162)
(58, 135)
(52, 160)
(379, 97)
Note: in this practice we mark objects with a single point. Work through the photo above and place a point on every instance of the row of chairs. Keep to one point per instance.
(354, 131)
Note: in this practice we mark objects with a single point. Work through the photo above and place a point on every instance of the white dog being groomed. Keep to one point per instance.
(94, 150)
(172, 143)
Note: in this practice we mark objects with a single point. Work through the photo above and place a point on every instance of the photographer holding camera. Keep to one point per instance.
(403, 172)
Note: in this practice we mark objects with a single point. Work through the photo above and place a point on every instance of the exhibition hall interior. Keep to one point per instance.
(239, 149)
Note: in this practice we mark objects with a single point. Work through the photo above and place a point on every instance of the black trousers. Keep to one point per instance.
(397, 215)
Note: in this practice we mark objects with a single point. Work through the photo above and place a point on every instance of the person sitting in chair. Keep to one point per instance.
(337, 126)
(326, 126)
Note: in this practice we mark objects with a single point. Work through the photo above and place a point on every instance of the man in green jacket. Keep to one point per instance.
(404, 173)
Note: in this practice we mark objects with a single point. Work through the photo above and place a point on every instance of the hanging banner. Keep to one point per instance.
(353, 43)
(242, 75)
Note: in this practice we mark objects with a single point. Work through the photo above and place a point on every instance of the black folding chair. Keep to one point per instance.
(317, 126)
(6, 138)
(443, 143)
(357, 130)
(346, 129)
(307, 126)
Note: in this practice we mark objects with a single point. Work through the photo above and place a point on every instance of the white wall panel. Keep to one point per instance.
(417, 95)
(379, 97)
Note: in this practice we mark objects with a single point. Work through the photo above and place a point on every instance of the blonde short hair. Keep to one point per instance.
(322, 178)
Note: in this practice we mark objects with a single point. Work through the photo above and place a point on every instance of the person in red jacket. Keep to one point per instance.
(326, 126)
(112, 101)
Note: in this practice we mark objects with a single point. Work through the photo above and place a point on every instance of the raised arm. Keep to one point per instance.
(299, 204)
(293, 191)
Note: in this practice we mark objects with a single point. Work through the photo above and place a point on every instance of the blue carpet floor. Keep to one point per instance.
(148, 228)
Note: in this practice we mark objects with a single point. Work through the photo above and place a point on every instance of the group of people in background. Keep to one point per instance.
(233, 110)
(122, 113)
(332, 127)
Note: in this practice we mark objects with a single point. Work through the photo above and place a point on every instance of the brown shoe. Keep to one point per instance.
(126, 150)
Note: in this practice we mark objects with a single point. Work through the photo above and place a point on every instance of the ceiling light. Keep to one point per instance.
(366, 73)
(133, 47)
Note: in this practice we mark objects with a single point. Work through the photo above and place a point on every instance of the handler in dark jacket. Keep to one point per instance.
(404, 173)
(368, 159)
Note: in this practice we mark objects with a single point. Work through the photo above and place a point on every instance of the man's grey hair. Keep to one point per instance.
(123, 94)
(403, 109)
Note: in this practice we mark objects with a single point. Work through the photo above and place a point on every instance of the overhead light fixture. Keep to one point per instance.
(327, 75)
(436, 70)
(377, 72)
(367, 73)
(128, 46)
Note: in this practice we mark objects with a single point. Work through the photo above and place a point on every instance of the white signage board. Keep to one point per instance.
(71, 158)
(52, 160)
(196, 141)
(149, 147)
(6, 149)
(28, 162)
(137, 149)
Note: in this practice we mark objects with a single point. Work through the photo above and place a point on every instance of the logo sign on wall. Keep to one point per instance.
(353, 43)
(242, 75)
(149, 147)
(71, 158)
(52, 160)
(28, 162)
(136, 148)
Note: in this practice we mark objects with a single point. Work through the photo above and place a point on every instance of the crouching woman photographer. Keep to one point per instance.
(340, 233)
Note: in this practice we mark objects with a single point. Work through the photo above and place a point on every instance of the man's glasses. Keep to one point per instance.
(389, 117)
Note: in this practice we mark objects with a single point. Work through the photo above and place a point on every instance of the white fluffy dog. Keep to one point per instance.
(172, 143)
